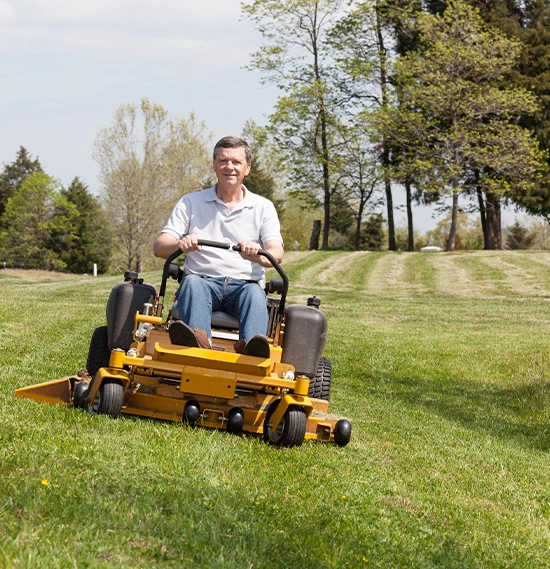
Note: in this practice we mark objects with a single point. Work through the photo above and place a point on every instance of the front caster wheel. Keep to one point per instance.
(108, 400)
(290, 431)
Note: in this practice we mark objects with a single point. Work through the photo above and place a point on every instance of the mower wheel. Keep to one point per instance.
(342, 432)
(235, 420)
(79, 394)
(290, 431)
(99, 353)
(319, 386)
(109, 398)
(192, 412)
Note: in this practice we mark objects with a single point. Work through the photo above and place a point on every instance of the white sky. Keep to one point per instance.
(67, 65)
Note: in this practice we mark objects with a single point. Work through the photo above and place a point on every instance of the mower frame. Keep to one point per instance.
(216, 388)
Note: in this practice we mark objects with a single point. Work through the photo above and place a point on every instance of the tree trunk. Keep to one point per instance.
(389, 204)
(315, 233)
(454, 220)
(385, 145)
(410, 228)
(357, 239)
(483, 216)
(494, 229)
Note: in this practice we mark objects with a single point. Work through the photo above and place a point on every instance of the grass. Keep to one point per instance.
(441, 361)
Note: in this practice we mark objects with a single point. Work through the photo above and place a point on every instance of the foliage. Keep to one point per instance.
(35, 221)
(296, 57)
(364, 59)
(296, 224)
(519, 236)
(268, 167)
(147, 162)
(13, 175)
(468, 232)
(540, 229)
(92, 242)
(450, 101)
(402, 238)
(529, 22)
(372, 233)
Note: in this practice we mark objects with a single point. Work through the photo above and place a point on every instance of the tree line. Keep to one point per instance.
(444, 98)
(45, 226)
(448, 100)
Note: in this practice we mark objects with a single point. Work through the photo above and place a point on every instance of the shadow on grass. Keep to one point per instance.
(520, 413)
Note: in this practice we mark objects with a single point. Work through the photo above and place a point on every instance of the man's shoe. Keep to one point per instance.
(257, 346)
(182, 335)
(203, 339)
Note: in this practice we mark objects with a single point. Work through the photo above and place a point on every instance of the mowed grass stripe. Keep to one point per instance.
(527, 274)
(449, 395)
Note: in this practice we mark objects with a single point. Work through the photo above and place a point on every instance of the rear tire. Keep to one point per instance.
(99, 353)
(320, 384)
(290, 431)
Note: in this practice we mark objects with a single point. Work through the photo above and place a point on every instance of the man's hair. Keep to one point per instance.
(234, 142)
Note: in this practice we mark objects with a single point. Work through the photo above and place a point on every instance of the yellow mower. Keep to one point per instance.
(133, 368)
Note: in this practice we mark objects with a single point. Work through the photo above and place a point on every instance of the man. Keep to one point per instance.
(220, 279)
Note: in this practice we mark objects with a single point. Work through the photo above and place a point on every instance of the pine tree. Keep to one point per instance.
(92, 241)
(32, 216)
(14, 174)
(519, 237)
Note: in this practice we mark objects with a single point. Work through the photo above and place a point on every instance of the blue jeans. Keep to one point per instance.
(199, 296)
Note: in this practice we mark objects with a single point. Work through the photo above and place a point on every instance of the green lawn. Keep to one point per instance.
(440, 361)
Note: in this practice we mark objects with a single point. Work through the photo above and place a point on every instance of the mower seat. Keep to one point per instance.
(219, 319)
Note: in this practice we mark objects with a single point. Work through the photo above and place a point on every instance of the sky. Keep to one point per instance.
(67, 65)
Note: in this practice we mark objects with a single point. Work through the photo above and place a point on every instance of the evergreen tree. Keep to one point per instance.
(372, 233)
(32, 215)
(519, 237)
(91, 240)
(529, 21)
(14, 174)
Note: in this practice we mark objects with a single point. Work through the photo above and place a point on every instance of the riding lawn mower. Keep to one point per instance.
(133, 368)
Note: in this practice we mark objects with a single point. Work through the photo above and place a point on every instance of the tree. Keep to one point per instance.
(456, 126)
(14, 174)
(529, 22)
(147, 162)
(362, 178)
(34, 214)
(91, 239)
(519, 237)
(372, 234)
(266, 164)
(296, 57)
(364, 63)
(468, 233)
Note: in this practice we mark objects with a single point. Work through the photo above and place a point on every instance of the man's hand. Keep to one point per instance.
(166, 244)
(189, 243)
(249, 251)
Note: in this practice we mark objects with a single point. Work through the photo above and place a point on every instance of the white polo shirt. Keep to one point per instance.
(208, 217)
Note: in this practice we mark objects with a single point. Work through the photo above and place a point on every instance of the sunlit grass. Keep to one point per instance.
(440, 361)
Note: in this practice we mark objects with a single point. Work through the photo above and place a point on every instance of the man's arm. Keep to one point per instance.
(165, 245)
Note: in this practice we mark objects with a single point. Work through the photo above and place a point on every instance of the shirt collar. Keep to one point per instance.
(246, 201)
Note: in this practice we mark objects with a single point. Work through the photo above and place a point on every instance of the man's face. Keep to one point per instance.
(231, 167)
